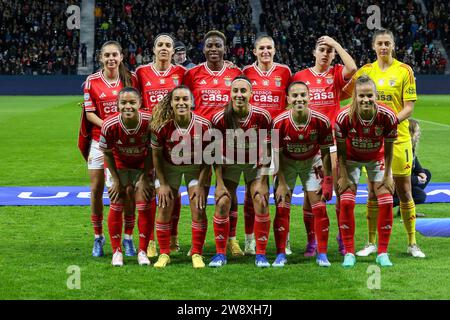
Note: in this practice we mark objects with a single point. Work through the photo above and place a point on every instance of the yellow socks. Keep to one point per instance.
(408, 212)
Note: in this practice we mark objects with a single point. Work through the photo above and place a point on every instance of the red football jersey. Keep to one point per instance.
(257, 119)
(171, 136)
(269, 87)
(155, 85)
(101, 97)
(211, 89)
(364, 138)
(302, 142)
(129, 146)
(324, 89)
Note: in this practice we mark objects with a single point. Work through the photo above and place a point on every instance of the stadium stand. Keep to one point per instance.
(135, 24)
(297, 24)
(34, 39)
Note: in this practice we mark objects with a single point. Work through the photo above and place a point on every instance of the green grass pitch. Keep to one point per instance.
(38, 244)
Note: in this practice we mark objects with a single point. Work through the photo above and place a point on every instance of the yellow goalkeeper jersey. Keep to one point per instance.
(394, 85)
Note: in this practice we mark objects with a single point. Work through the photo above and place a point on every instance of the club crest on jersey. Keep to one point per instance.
(176, 79)
(215, 81)
(378, 131)
(330, 80)
(227, 81)
(278, 81)
(266, 83)
(392, 82)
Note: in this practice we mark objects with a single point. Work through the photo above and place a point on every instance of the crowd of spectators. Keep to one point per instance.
(296, 25)
(439, 15)
(135, 25)
(34, 38)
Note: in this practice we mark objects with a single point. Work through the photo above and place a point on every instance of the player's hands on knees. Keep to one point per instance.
(164, 196)
(221, 191)
(388, 183)
(262, 193)
(283, 193)
(344, 183)
(115, 191)
(198, 197)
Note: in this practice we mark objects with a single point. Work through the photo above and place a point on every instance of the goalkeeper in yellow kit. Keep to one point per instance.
(396, 87)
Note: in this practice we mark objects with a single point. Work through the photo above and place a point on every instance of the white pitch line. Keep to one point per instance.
(435, 123)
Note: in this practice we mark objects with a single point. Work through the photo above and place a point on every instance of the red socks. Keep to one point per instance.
(130, 220)
(198, 236)
(221, 231)
(249, 214)
(281, 226)
(347, 220)
(144, 224)
(385, 220)
(308, 220)
(152, 218)
(97, 223)
(262, 229)
(321, 226)
(163, 234)
(115, 222)
(176, 215)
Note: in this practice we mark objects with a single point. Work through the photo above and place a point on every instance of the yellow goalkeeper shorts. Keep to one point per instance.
(403, 158)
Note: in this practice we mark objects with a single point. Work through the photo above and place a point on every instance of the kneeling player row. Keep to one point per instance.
(303, 149)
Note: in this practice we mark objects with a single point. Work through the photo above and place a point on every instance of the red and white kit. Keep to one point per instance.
(269, 87)
(100, 97)
(324, 89)
(155, 85)
(257, 119)
(364, 138)
(211, 89)
(129, 146)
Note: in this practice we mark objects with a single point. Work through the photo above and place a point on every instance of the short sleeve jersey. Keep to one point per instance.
(211, 89)
(324, 89)
(100, 97)
(155, 85)
(394, 85)
(365, 138)
(257, 120)
(182, 146)
(302, 142)
(129, 146)
(269, 87)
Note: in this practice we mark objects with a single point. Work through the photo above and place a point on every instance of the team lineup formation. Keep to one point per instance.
(143, 132)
